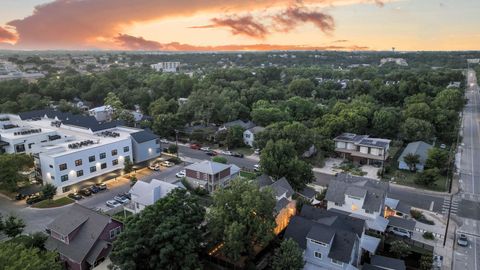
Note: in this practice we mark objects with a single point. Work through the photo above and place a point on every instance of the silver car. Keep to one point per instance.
(462, 240)
(112, 203)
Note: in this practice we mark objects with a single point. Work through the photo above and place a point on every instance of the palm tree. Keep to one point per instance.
(412, 160)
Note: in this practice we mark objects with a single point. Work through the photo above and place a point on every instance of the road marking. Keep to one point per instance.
(431, 206)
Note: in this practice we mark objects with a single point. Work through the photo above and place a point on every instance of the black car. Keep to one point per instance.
(94, 189)
(235, 154)
(75, 196)
(211, 153)
(19, 197)
(101, 186)
(85, 192)
(34, 199)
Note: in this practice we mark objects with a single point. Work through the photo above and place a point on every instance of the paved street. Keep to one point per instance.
(466, 210)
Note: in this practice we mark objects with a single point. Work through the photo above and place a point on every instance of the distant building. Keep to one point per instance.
(145, 194)
(397, 61)
(170, 67)
(416, 148)
(243, 124)
(454, 85)
(211, 175)
(362, 148)
(249, 135)
(102, 113)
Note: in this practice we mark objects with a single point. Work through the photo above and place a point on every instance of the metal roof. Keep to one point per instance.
(143, 136)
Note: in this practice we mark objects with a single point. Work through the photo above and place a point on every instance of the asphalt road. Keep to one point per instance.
(468, 212)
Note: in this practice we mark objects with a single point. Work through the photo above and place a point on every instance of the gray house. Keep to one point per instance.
(417, 148)
(330, 239)
(146, 146)
(384, 263)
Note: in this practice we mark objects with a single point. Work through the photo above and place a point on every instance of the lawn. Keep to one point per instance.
(53, 203)
(121, 216)
(407, 178)
(249, 175)
(246, 151)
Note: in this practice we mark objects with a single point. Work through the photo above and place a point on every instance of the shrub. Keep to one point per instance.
(175, 160)
(428, 235)
(220, 159)
(416, 214)
(172, 148)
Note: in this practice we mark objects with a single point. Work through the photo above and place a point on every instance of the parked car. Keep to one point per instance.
(256, 167)
(85, 192)
(236, 154)
(205, 148)
(181, 174)
(34, 199)
(211, 153)
(75, 196)
(443, 146)
(227, 153)
(257, 151)
(399, 232)
(94, 189)
(164, 141)
(154, 167)
(126, 195)
(121, 199)
(101, 186)
(19, 197)
(462, 240)
(167, 163)
(112, 203)
(195, 146)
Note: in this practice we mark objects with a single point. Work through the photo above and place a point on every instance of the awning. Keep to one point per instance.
(369, 243)
(378, 224)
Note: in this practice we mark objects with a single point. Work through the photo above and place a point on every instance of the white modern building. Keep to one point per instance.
(69, 149)
(166, 66)
(145, 194)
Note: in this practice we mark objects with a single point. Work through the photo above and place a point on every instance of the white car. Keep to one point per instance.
(163, 141)
(228, 153)
(154, 167)
(205, 148)
(257, 151)
(113, 203)
(181, 174)
(121, 199)
(167, 164)
(256, 167)
(399, 232)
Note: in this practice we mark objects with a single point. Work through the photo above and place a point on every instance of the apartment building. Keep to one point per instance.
(70, 149)
(171, 67)
(362, 149)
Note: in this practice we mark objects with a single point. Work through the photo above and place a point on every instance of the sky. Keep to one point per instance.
(209, 25)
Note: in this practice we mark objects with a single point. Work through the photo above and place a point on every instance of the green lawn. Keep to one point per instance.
(249, 175)
(407, 178)
(121, 216)
(246, 151)
(53, 203)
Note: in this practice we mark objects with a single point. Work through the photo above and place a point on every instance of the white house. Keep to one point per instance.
(102, 113)
(145, 194)
(249, 135)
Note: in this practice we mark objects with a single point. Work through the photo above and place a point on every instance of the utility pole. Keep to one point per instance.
(176, 140)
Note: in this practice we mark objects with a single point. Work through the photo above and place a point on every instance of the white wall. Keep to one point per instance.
(248, 138)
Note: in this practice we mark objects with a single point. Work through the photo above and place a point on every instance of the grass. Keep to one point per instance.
(121, 216)
(249, 175)
(246, 151)
(407, 178)
(53, 203)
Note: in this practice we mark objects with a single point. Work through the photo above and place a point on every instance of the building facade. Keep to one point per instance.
(211, 175)
(362, 149)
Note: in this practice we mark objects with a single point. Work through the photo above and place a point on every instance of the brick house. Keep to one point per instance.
(82, 237)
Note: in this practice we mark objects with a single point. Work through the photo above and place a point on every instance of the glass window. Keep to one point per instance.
(20, 148)
(114, 152)
(115, 162)
(78, 162)
(103, 166)
(93, 169)
(79, 173)
(64, 178)
(317, 255)
(103, 155)
(91, 158)
(63, 166)
(126, 149)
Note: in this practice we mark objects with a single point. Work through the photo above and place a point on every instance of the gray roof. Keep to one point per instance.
(208, 167)
(407, 224)
(143, 136)
(241, 123)
(417, 148)
(376, 142)
(282, 203)
(321, 233)
(386, 262)
(282, 186)
(371, 267)
(85, 239)
(99, 246)
(374, 190)
(308, 192)
(264, 180)
(350, 137)
(256, 129)
(403, 208)
(336, 219)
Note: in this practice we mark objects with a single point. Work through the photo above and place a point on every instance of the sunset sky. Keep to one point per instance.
(198, 25)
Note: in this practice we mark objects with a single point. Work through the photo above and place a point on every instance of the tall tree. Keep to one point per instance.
(412, 160)
(288, 256)
(242, 217)
(165, 235)
(400, 249)
(115, 103)
(417, 130)
(13, 226)
(15, 256)
(437, 158)
(10, 167)
(49, 191)
(428, 177)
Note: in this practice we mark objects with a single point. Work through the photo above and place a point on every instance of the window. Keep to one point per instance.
(103, 166)
(103, 155)
(115, 232)
(79, 173)
(318, 243)
(114, 152)
(93, 169)
(247, 135)
(51, 166)
(20, 148)
(78, 162)
(317, 255)
(91, 158)
(52, 177)
(66, 189)
(338, 204)
(63, 166)
(115, 162)
(126, 149)
(337, 262)
(64, 178)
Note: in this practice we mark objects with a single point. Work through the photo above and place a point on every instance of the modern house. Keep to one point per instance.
(70, 149)
(82, 237)
(102, 113)
(378, 262)
(249, 135)
(330, 239)
(145, 194)
(362, 149)
(416, 148)
(211, 175)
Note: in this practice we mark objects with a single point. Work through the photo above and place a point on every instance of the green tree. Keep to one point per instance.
(449, 99)
(385, 122)
(166, 235)
(127, 166)
(301, 87)
(399, 249)
(417, 130)
(10, 167)
(220, 159)
(49, 191)
(172, 148)
(418, 111)
(412, 160)
(242, 217)
(426, 262)
(234, 137)
(288, 256)
(13, 226)
(437, 158)
(115, 103)
(165, 124)
(428, 177)
(15, 256)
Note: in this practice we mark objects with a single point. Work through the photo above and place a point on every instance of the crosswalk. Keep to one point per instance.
(446, 204)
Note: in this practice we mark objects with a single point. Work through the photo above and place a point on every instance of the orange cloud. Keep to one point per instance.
(7, 36)
(139, 43)
(294, 15)
(245, 25)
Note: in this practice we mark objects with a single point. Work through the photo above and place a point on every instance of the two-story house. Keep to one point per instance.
(144, 194)
(361, 148)
(249, 135)
(330, 239)
(211, 175)
(82, 237)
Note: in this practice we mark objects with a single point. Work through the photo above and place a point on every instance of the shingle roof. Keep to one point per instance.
(244, 125)
(308, 192)
(208, 167)
(407, 224)
(282, 186)
(86, 237)
(387, 263)
(356, 191)
(417, 148)
(264, 180)
(143, 136)
(321, 233)
(282, 203)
